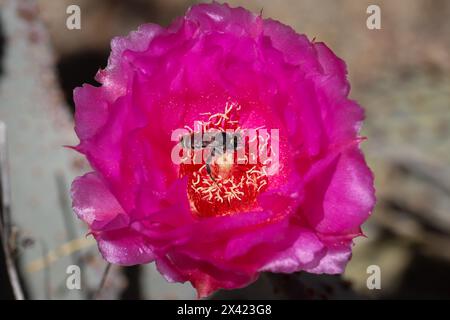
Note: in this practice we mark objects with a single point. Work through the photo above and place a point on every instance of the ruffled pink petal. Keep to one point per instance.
(309, 253)
(339, 193)
(331, 64)
(117, 73)
(334, 260)
(94, 204)
(296, 48)
(91, 111)
(124, 247)
(204, 276)
(223, 18)
(305, 252)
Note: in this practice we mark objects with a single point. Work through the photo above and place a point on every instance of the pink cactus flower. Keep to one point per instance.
(220, 223)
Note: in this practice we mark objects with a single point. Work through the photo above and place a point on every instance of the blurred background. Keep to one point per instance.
(399, 74)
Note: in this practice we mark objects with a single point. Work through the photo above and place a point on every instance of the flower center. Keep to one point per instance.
(227, 181)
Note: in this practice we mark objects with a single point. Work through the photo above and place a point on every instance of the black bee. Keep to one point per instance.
(219, 142)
